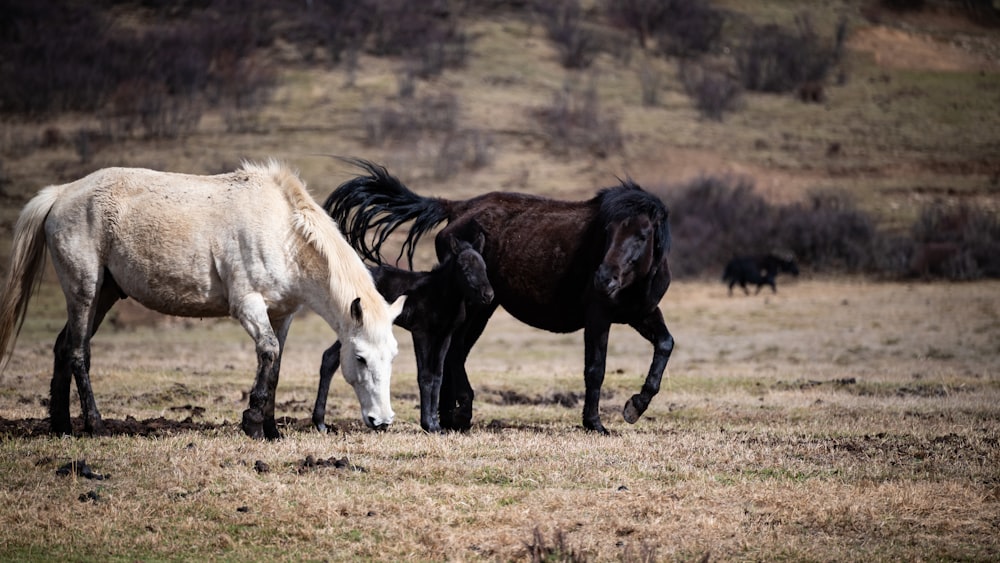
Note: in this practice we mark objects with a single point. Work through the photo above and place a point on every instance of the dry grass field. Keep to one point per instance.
(836, 420)
(841, 419)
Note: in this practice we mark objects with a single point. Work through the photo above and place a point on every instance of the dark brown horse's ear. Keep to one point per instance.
(356, 310)
(454, 244)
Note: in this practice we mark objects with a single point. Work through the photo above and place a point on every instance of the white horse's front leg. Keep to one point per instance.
(258, 418)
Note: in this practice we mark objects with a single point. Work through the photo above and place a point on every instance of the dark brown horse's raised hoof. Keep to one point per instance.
(634, 408)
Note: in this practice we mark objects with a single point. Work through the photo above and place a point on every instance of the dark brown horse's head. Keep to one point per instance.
(637, 237)
(469, 259)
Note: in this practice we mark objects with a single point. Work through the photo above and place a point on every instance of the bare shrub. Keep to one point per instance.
(829, 232)
(714, 218)
(564, 23)
(642, 16)
(574, 120)
(427, 33)
(410, 119)
(693, 27)
(775, 59)
(961, 242)
(681, 27)
(713, 91)
(466, 149)
(72, 59)
(650, 83)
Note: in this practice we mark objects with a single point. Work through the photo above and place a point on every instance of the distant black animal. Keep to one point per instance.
(555, 265)
(759, 270)
(436, 303)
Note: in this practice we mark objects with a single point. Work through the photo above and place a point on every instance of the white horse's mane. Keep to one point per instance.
(349, 278)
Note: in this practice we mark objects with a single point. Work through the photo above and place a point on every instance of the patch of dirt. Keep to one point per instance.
(160, 426)
(511, 397)
(897, 48)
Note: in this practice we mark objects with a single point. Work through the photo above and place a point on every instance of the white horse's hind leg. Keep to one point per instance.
(72, 354)
(258, 418)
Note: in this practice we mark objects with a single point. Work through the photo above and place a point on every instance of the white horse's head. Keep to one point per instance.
(366, 361)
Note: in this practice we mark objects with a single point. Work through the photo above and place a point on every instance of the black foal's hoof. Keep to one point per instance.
(596, 426)
(61, 428)
(271, 430)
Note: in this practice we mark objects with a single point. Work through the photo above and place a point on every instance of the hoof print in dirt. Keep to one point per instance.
(80, 469)
(261, 467)
(310, 463)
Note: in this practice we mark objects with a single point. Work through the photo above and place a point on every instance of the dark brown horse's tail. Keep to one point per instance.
(369, 208)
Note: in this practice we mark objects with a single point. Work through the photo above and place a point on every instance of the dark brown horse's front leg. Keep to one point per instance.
(595, 352)
(653, 329)
(329, 365)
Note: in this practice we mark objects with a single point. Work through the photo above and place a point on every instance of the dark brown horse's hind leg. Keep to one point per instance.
(653, 329)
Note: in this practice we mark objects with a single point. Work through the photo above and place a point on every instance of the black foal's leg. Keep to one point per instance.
(457, 394)
(653, 329)
(595, 352)
(430, 350)
(329, 365)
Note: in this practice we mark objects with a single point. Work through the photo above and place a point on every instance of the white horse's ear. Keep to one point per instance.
(356, 313)
(397, 306)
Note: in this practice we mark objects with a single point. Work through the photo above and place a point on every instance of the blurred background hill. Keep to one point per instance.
(860, 136)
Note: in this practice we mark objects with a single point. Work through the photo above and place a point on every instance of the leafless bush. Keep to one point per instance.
(692, 28)
(775, 59)
(574, 120)
(829, 232)
(714, 218)
(564, 23)
(650, 82)
(681, 27)
(410, 119)
(961, 242)
(713, 91)
(467, 149)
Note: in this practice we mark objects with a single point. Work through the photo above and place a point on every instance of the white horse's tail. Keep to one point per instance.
(26, 262)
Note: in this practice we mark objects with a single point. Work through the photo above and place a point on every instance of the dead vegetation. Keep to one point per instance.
(834, 420)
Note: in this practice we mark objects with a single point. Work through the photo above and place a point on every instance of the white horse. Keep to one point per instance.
(251, 244)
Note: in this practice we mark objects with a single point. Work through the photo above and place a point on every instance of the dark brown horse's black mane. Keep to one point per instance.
(629, 200)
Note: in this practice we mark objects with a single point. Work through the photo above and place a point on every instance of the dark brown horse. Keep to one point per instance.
(556, 265)
(436, 304)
